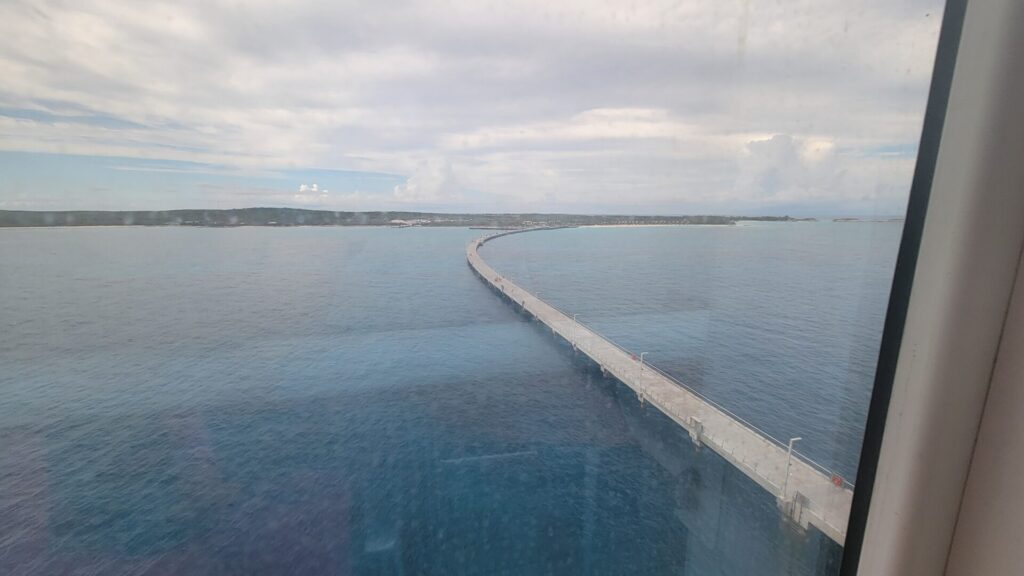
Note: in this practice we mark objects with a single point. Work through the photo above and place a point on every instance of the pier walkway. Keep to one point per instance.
(807, 493)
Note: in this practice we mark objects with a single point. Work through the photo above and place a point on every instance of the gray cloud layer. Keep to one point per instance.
(537, 105)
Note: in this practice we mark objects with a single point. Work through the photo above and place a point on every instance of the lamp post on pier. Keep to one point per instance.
(789, 462)
(640, 380)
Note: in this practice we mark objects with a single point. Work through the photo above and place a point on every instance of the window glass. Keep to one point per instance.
(445, 287)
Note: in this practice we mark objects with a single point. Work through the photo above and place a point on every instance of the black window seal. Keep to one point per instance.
(903, 279)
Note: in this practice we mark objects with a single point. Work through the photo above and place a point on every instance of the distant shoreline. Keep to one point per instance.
(286, 217)
(80, 226)
(92, 226)
(651, 225)
(95, 226)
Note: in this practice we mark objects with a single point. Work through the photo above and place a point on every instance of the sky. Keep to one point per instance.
(583, 106)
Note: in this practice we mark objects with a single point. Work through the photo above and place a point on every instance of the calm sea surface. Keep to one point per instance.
(355, 401)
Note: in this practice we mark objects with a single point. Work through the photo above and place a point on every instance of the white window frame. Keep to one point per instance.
(955, 276)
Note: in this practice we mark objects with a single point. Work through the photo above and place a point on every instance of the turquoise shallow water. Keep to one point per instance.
(355, 401)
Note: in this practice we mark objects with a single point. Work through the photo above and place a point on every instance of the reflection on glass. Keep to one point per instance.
(668, 373)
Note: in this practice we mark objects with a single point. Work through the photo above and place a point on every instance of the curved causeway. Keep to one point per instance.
(807, 493)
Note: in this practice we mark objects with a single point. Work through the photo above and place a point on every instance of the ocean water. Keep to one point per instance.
(778, 322)
(355, 401)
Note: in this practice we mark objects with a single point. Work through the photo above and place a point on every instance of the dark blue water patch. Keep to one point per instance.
(361, 483)
(336, 402)
(708, 489)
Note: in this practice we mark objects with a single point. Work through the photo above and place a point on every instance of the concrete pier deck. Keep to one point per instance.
(811, 496)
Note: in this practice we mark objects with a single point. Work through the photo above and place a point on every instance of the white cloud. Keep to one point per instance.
(583, 104)
(791, 171)
(590, 125)
(433, 183)
(311, 194)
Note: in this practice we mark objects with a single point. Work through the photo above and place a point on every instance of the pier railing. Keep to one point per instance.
(843, 482)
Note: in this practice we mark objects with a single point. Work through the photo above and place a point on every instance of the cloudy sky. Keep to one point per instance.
(710, 106)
